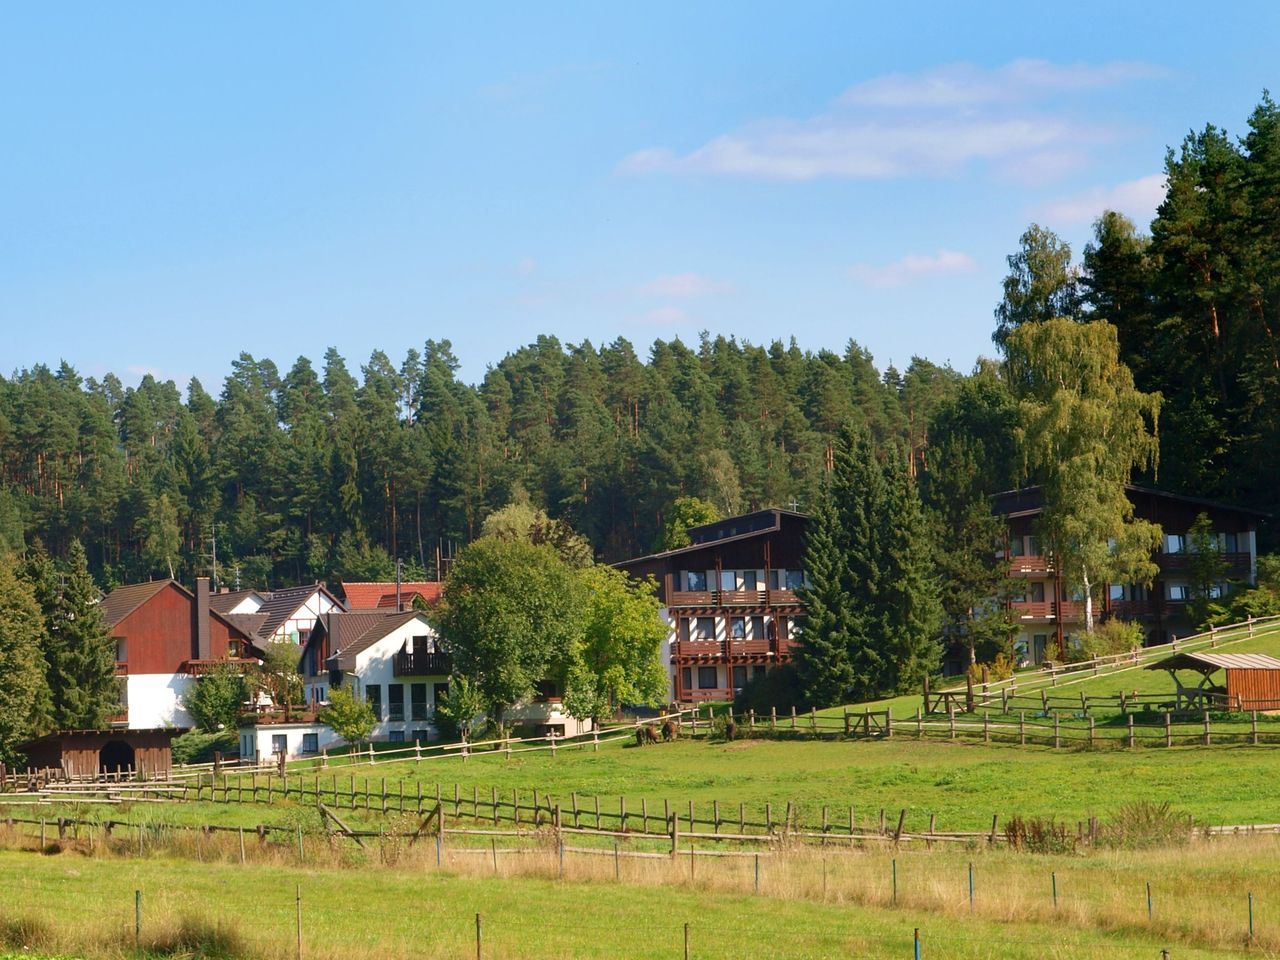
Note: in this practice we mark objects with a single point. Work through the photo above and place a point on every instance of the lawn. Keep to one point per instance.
(73, 905)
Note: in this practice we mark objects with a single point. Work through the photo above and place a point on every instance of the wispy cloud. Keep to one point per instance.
(685, 285)
(912, 267)
(664, 316)
(933, 123)
(1137, 199)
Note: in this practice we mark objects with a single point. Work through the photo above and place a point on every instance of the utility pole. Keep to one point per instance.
(399, 574)
(213, 554)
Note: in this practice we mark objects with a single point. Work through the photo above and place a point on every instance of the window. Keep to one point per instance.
(421, 735)
(706, 678)
(795, 579)
(1177, 591)
(122, 649)
(1117, 591)
(1033, 546)
(696, 580)
(395, 701)
(704, 628)
(311, 743)
(728, 580)
(1229, 542)
(739, 677)
(1174, 543)
(1216, 590)
(1015, 547)
(373, 693)
(396, 736)
(1037, 592)
(749, 581)
(686, 678)
(774, 581)
(757, 628)
(758, 671)
(279, 743)
(418, 701)
(738, 628)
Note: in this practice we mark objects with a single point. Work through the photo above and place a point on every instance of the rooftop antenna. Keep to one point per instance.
(237, 578)
(399, 569)
(213, 555)
(795, 506)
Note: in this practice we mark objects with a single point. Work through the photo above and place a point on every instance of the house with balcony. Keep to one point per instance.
(729, 601)
(390, 658)
(1048, 614)
(166, 637)
(276, 616)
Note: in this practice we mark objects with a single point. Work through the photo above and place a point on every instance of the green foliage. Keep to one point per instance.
(217, 699)
(350, 716)
(278, 675)
(1206, 570)
(821, 655)
(1041, 284)
(1108, 638)
(1260, 600)
(1146, 824)
(521, 521)
(199, 746)
(511, 615)
(619, 658)
(25, 709)
(1084, 428)
(457, 710)
(685, 512)
(780, 688)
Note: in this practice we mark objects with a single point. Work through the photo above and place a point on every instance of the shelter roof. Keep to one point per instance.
(1217, 661)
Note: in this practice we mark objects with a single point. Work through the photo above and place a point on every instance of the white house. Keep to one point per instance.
(289, 614)
(303, 739)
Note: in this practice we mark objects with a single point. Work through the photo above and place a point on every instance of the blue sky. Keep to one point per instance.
(180, 183)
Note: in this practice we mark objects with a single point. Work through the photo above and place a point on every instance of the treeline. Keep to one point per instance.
(322, 472)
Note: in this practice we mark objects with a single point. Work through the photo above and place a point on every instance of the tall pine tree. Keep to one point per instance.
(80, 651)
(24, 692)
(821, 654)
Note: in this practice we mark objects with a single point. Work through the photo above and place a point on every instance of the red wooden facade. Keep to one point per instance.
(161, 634)
(1253, 689)
(86, 753)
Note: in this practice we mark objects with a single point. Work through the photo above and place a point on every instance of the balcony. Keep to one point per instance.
(200, 668)
(1237, 565)
(1029, 567)
(729, 651)
(1047, 611)
(730, 598)
(122, 668)
(409, 664)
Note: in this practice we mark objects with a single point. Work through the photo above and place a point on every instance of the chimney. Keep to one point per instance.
(203, 646)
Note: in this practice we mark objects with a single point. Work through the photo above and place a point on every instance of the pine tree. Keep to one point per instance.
(82, 653)
(24, 691)
(821, 654)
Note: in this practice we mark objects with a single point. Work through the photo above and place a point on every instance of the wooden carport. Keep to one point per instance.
(1252, 681)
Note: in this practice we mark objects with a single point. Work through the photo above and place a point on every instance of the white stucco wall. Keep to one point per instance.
(155, 700)
(258, 742)
(305, 617)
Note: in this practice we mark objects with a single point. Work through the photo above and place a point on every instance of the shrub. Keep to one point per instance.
(197, 747)
(215, 701)
(1145, 824)
(1039, 836)
(1000, 668)
(723, 727)
(780, 687)
(350, 716)
(1109, 638)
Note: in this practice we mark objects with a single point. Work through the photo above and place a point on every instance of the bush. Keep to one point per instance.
(1137, 826)
(350, 716)
(1039, 836)
(780, 687)
(723, 727)
(1109, 638)
(215, 701)
(1001, 668)
(197, 747)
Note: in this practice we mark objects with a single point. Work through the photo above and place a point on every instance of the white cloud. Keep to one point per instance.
(665, 316)
(1137, 199)
(685, 285)
(912, 267)
(965, 84)
(933, 123)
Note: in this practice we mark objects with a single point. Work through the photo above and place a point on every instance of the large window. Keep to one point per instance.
(1037, 592)
(1229, 542)
(1178, 591)
(1117, 591)
(704, 628)
(707, 678)
(739, 677)
(728, 580)
(279, 743)
(418, 701)
(311, 743)
(749, 581)
(373, 693)
(696, 580)
(395, 701)
(396, 736)
(1174, 543)
(686, 678)
(795, 579)
(738, 628)
(1016, 548)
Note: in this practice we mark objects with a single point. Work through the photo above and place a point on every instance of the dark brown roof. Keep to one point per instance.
(352, 633)
(250, 624)
(226, 602)
(280, 605)
(122, 601)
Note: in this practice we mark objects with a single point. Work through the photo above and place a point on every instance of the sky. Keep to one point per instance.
(180, 183)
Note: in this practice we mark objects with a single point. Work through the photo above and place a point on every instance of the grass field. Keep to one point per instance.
(74, 905)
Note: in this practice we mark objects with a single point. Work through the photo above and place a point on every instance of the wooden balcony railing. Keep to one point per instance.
(1069, 611)
(409, 664)
(730, 598)
(1029, 566)
(199, 668)
(122, 668)
(727, 650)
(1237, 564)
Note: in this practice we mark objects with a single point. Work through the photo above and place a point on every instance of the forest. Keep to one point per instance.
(316, 471)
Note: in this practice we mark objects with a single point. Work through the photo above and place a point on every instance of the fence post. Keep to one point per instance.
(1253, 728)
(773, 718)
(951, 716)
(917, 943)
(1057, 741)
(477, 936)
(1130, 718)
(297, 900)
(1022, 728)
(888, 724)
(1091, 733)
(1207, 736)
(846, 723)
(1168, 730)
(986, 729)
(137, 920)
(919, 724)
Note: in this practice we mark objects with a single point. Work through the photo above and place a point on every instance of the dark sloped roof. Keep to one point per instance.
(1217, 661)
(122, 601)
(280, 605)
(350, 634)
(226, 602)
(250, 624)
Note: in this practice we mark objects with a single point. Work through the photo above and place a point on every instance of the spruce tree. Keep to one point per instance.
(24, 692)
(821, 654)
(83, 654)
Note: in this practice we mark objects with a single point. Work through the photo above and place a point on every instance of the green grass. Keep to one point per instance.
(72, 905)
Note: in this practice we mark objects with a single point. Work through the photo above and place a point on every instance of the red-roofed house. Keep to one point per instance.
(379, 595)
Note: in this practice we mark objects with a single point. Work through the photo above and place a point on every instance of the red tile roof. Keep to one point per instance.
(374, 595)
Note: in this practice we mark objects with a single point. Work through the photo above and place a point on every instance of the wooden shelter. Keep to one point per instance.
(1252, 681)
(91, 753)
